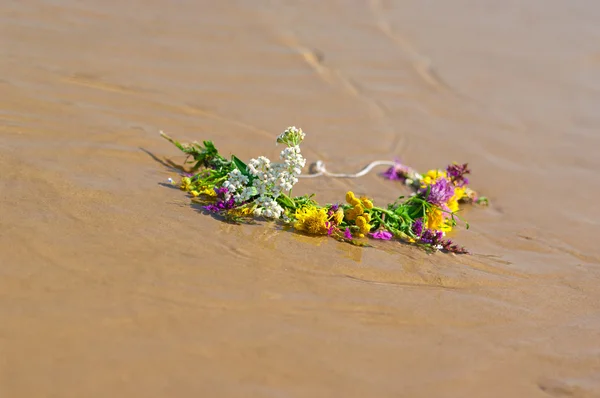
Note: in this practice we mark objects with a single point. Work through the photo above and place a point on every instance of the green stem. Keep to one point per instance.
(388, 212)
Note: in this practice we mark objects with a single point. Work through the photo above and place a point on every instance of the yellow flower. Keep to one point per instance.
(360, 221)
(338, 216)
(195, 193)
(311, 219)
(436, 221)
(359, 209)
(242, 211)
(209, 192)
(186, 184)
(366, 203)
(350, 197)
(459, 193)
(350, 214)
(363, 224)
(453, 205)
(354, 201)
(354, 212)
(431, 176)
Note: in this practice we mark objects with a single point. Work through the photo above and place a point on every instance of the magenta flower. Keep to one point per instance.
(382, 234)
(333, 209)
(398, 172)
(348, 234)
(330, 228)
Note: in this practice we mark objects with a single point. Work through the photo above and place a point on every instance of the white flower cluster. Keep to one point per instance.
(270, 179)
(268, 208)
(235, 183)
(262, 170)
(273, 179)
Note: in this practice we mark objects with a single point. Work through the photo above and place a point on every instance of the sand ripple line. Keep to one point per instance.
(314, 59)
(92, 82)
(195, 110)
(433, 284)
(421, 64)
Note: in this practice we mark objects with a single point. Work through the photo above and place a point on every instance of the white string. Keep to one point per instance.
(317, 169)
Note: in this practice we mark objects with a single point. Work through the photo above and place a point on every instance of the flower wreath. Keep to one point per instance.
(241, 192)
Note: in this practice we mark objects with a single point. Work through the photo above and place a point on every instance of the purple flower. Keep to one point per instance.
(382, 234)
(451, 247)
(391, 174)
(333, 209)
(456, 173)
(431, 237)
(221, 191)
(438, 193)
(426, 235)
(348, 234)
(398, 172)
(417, 226)
(435, 238)
(222, 203)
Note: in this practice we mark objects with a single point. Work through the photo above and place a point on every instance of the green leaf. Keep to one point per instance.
(416, 211)
(286, 201)
(402, 235)
(210, 147)
(172, 141)
(241, 166)
(483, 201)
(207, 156)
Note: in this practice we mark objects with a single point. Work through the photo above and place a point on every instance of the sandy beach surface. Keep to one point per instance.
(111, 285)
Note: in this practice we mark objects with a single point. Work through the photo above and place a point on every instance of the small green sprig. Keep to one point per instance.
(204, 156)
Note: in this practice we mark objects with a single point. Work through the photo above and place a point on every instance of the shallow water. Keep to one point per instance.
(111, 284)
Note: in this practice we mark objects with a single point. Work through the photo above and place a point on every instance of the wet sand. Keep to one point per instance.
(112, 285)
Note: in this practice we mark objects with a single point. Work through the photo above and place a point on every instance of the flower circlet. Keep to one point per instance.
(261, 188)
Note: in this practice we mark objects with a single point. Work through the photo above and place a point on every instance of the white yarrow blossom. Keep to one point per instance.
(268, 208)
(235, 182)
(270, 179)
